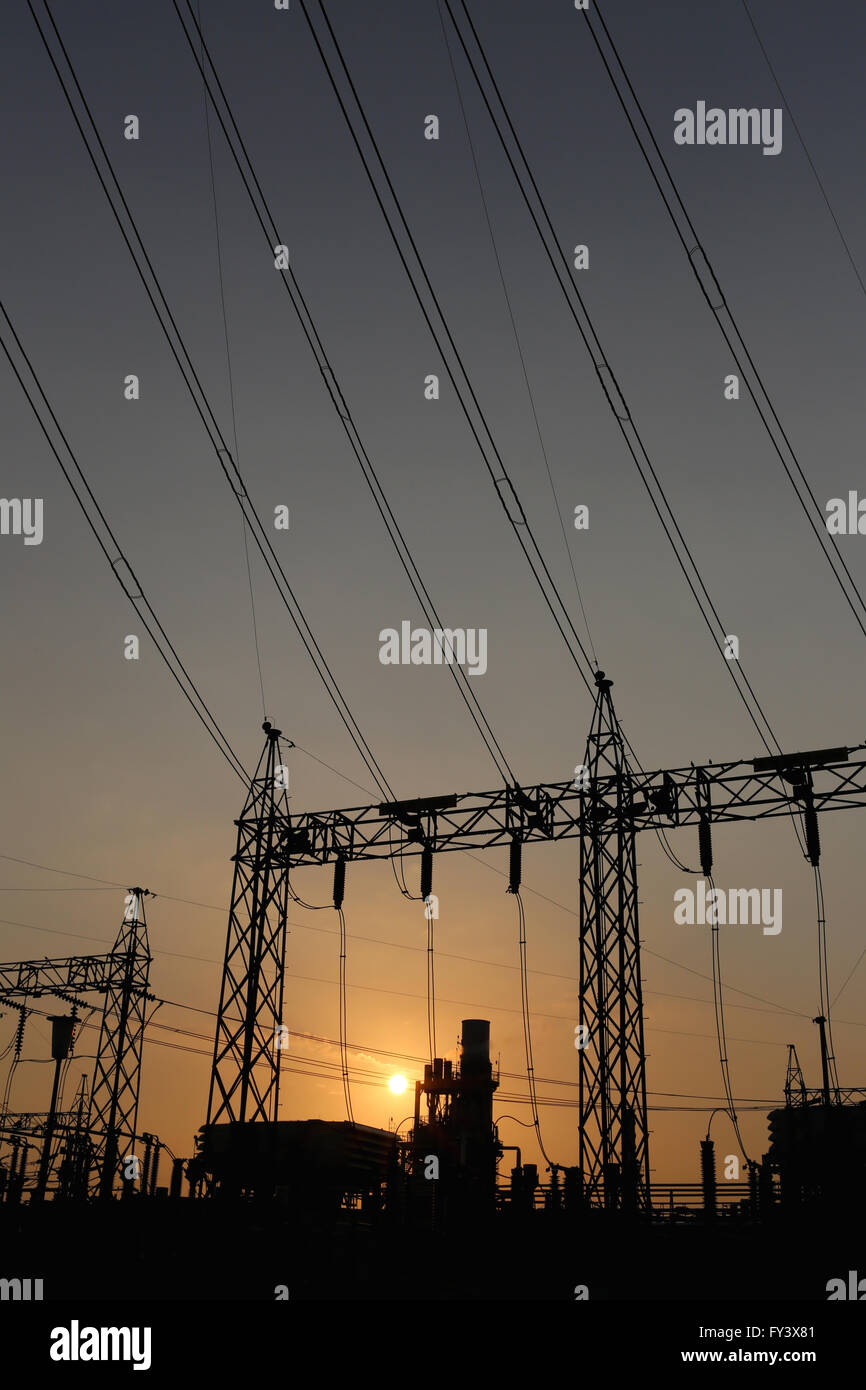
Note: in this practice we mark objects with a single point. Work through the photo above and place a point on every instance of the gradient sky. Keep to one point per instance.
(107, 773)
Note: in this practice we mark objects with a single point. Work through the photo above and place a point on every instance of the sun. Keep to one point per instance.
(397, 1084)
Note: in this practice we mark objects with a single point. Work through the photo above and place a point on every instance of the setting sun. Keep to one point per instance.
(398, 1084)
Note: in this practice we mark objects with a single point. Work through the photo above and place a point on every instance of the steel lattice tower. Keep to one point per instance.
(605, 810)
(245, 1077)
(117, 1072)
(614, 1149)
(795, 1083)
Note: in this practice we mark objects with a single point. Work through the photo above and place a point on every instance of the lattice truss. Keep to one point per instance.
(604, 807)
(245, 1076)
(121, 977)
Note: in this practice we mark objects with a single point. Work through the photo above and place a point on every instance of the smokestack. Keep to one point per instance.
(475, 1047)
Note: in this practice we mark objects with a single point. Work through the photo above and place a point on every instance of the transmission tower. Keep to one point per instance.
(117, 1073)
(121, 978)
(245, 1077)
(614, 1153)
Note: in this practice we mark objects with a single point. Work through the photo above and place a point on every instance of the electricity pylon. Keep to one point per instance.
(245, 1077)
(117, 1073)
(614, 1149)
(605, 810)
(121, 977)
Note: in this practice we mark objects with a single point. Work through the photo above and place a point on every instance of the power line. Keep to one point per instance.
(513, 321)
(365, 1048)
(397, 945)
(56, 890)
(754, 1040)
(793, 120)
(610, 385)
(408, 994)
(231, 385)
(719, 1014)
(358, 1079)
(343, 1018)
(431, 989)
(420, 1061)
(202, 405)
(68, 873)
(268, 225)
(520, 523)
(297, 300)
(824, 1005)
(336, 771)
(778, 1010)
(607, 378)
(527, 1027)
(660, 834)
(849, 975)
(189, 690)
(822, 535)
(501, 1008)
(724, 316)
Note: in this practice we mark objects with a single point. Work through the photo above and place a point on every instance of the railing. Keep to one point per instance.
(687, 1198)
(677, 1201)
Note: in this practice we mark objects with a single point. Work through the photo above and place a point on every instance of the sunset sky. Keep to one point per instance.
(106, 771)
